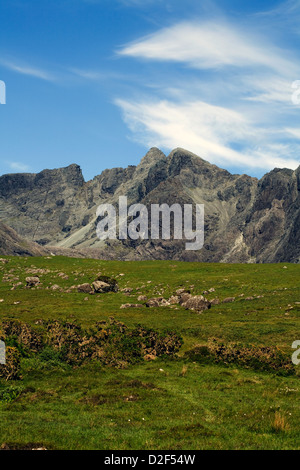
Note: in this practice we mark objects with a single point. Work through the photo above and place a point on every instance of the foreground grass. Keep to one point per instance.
(174, 404)
(143, 407)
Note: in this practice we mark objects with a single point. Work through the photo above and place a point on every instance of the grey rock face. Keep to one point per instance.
(11, 244)
(246, 220)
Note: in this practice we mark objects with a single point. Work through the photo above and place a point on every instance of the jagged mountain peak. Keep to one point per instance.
(181, 152)
(153, 156)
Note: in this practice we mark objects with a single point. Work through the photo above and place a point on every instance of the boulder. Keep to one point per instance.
(101, 287)
(174, 299)
(157, 302)
(184, 297)
(32, 281)
(197, 302)
(55, 287)
(113, 285)
(142, 298)
(127, 290)
(180, 291)
(85, 288)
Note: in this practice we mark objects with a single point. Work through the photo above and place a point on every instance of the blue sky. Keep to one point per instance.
(99, 82)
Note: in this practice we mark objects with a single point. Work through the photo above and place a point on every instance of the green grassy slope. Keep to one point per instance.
(164, 404)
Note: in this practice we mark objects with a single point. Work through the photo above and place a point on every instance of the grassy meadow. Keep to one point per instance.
(185, 402)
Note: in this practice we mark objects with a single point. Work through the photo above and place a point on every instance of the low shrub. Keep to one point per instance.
(111, 343)
(249, 356)
(21, 334)
(10, 393)
(11, 369)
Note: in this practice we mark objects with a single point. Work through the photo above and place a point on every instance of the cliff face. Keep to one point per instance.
(11, 244)
(246, 220)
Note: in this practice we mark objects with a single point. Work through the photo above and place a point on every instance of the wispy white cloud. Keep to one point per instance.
(88, 74)
(27, 70)
(18, 167)
(97, 75)
(217, 134)
(285, 9)
(236, 113)
(294, 132)
(210, 45)
(269, 88)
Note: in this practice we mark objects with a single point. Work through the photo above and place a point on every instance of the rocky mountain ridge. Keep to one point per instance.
(246, 220)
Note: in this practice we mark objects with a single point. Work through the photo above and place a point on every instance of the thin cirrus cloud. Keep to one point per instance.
(18, 166)
(27, 70)
(209, 45)
(212, 132)
(242, 111)
(294, 132)
(269, 89)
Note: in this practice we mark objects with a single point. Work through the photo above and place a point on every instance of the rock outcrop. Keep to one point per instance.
(11, 244)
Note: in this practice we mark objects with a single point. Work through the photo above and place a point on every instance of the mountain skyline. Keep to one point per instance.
(246, 220)
(100, 82)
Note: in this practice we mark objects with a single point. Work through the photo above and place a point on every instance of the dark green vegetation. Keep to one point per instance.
(211, 395)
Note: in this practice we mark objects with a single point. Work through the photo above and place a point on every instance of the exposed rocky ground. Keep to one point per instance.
(12, 244)
(246, 220)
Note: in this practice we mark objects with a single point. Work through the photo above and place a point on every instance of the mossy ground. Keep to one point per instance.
(163, 404)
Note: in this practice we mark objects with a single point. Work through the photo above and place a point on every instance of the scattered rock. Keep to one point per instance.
(84, 288)
(16, 285)
(63, 276)
(174, 299)
(157, 302)
(142, 298)
(101, 287)
(32, 281)
(113, 285)
(21, 447)
(34, 270)
(55, 287)
(197, 302)
(184, 297)
(132, 306)
(180, 291)
(228, 300)
(131, 398)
